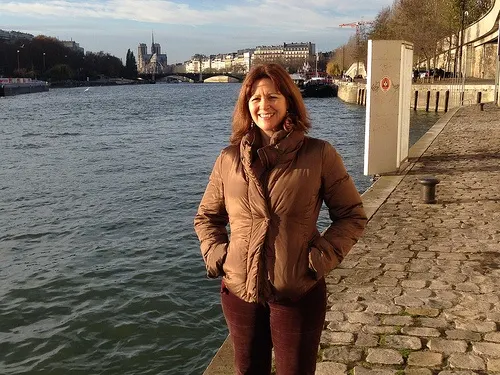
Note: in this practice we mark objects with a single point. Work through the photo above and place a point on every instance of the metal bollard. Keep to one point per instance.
(429, 188)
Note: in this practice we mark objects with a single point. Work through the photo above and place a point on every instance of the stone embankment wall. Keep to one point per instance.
(348, 92)
(223, 79)
(429, 97)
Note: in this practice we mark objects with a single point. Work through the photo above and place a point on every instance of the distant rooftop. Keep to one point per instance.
(14, 35)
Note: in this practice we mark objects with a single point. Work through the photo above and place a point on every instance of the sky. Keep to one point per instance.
(187, 27)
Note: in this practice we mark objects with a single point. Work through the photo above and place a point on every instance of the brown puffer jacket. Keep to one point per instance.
(272, 202)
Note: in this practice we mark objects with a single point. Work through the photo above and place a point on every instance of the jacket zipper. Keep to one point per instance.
(263, 250)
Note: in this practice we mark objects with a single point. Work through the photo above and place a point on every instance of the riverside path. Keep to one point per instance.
(420, 292)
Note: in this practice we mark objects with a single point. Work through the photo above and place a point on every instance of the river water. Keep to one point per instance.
(100, 270)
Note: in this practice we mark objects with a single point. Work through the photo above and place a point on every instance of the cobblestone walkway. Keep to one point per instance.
(420, 293)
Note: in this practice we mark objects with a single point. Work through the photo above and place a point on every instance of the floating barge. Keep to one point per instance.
(16, 86)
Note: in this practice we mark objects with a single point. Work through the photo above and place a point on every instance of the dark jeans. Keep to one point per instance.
(292, 328)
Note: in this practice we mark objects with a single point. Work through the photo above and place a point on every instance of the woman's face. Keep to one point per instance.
(267, 106)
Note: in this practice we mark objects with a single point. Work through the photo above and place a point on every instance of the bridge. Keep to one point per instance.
(190, 77)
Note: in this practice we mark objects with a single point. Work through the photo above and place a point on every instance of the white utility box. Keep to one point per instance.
(388, 101)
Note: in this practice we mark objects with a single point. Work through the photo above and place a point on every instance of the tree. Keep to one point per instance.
(426, 23)
(347, 54)
(130, 70)
(60, 72)
(382, 27)
(239, 68)
(333, 68)
(38, 56)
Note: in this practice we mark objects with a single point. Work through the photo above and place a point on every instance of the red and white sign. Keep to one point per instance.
(385, 84)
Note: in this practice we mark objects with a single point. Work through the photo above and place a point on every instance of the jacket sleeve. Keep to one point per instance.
(210, 223)
(346, 212)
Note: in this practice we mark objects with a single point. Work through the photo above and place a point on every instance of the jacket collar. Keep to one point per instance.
(282, 148)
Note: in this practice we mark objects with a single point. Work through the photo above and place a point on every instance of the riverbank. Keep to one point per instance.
(419, 292)
(18, 86)
(429, 96)
(99, 82)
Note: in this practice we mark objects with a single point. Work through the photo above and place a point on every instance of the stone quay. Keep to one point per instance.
(420, 292)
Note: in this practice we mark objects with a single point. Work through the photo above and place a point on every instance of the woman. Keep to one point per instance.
(269, 185)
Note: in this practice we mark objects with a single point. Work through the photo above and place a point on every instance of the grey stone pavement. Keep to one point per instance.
(420, 292)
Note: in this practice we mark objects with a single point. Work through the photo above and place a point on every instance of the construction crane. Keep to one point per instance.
(357, 25)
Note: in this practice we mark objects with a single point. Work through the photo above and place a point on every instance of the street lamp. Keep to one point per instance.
(18, 66)
(44, 61)
(464, 14)
(461, 68)
(343, 51)
(317, 58)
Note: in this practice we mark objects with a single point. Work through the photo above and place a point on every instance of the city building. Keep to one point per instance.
(235, 62)
(73, 46)
(151, 63)
(292, 55)
(243, 60)
(14, 35)
(219, 63)
(195, 64)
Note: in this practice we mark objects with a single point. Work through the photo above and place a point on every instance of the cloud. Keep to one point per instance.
(281, 14)
(143, 11)
(186, 27)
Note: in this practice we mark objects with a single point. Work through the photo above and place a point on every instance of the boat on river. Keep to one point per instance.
(16, 86)
(318, 87)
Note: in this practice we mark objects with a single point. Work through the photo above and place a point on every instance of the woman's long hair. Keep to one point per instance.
(297, 113)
